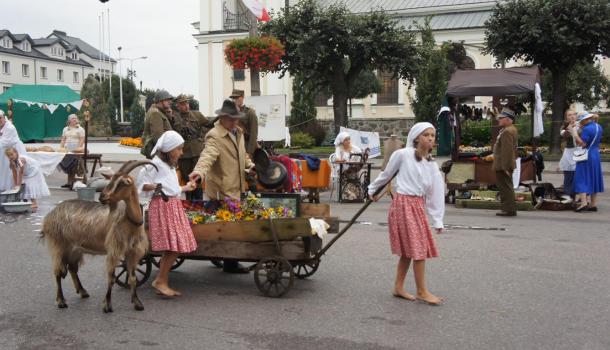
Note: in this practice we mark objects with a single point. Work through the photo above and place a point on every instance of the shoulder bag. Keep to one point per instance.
(581, 154)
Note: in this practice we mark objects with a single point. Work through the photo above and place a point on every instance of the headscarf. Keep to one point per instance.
(416, 130)
(584, 115)
(167, 142)
(72, 116)
(340, 138)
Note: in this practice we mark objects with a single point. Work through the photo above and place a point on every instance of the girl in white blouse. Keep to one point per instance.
(169, 228)
(419, 187)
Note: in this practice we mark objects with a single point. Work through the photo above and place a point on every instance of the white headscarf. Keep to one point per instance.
(340, 138)
(167, 142)
(416, 130)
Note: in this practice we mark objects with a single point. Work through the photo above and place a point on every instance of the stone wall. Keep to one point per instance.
(384, 126)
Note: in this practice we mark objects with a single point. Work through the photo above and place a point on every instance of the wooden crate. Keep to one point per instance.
(320, 211)
(252, 231)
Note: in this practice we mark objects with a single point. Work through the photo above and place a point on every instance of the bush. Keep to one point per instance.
(302, 140)
(316, 131)
(476, 132)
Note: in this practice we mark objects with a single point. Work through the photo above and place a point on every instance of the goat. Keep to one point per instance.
(114, 227)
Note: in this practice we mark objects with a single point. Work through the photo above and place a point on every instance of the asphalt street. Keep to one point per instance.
(537, 281)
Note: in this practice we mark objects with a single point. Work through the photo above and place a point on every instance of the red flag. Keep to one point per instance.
(258, 10)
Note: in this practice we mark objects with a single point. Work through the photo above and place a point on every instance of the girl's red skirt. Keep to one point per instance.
(410, 233)
(168, 227)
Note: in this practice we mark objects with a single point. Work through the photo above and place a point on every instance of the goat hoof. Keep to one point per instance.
(83, 294)
(138, 307)
(107, 309)
(62, 305)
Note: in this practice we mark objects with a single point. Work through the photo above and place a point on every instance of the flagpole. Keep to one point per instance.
(108, 34)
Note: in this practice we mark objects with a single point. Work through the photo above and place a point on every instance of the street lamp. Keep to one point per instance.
(121, 77)
(131, 64)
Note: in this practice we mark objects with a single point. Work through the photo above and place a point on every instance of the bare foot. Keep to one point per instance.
(403, 295)
(163, 289)
(429, 298)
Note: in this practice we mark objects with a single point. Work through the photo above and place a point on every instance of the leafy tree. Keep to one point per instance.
(99, 124)
(556, 34)
(150, 95)
(586, 84)
(129, 90)
(331, 47)
(136, 116)
(303, 110)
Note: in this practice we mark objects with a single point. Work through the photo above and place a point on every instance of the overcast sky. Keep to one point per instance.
(158, 29)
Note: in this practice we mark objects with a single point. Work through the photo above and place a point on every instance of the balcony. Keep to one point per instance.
(238, 20)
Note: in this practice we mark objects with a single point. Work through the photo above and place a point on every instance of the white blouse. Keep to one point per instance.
(422, 179)
(344, 155)
(166, 176)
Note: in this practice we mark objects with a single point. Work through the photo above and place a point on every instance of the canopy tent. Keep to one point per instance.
(40, 111)
(498, 82)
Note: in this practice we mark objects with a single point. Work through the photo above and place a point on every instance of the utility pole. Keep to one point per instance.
(121, 83)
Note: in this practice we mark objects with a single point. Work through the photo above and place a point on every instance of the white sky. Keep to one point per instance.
(158, 29)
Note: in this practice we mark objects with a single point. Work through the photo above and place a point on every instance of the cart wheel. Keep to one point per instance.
(143, 271)
(179, 261)
(274, 276)
(306, 269)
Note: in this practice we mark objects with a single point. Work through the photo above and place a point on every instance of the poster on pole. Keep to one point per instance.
(271, 113)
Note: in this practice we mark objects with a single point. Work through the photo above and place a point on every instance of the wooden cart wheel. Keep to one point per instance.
(306, 269)
(143, 271)
(274, 276)
(179, 261)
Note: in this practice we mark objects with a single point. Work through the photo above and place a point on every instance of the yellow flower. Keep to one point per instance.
(224, 215)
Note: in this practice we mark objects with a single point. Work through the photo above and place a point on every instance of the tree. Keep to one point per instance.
(556, 34)
(365, 84)
(331, 47)
(99, 124)
(136, 116)
(586, 84)
(129, 90)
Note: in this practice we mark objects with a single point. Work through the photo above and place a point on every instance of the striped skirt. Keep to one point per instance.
(410, 233)
(168, 227)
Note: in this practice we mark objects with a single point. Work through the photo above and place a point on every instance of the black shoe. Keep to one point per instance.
(583, 208)
(66, 186)
(592, 209)
(504, 213)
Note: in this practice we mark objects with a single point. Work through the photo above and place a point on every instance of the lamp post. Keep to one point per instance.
(131, 64)
(121, 83)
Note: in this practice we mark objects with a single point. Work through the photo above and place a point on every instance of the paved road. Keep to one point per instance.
(538, 281)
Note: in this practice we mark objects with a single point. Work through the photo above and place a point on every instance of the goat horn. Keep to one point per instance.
(125, 166)
(128, 167)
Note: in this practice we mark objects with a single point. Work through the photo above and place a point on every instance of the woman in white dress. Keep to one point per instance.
(26, 170)
(8, 138)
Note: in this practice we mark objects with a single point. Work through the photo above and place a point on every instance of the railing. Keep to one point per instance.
(236, 22)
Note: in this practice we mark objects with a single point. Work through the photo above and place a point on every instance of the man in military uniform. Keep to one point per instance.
(504, 161)
(248, 122)
(193, 127)
(156, 122)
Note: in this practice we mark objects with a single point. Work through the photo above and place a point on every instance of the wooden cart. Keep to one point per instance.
(281, 248)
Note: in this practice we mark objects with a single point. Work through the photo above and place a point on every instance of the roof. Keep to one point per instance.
(493, 82)
(358, 6)
(82, 45)
(22, 37)
(33, 53)
(448, 21)
(53, 94)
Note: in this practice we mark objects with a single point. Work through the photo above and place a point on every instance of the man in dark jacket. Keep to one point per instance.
(504, 161)
(155, 122)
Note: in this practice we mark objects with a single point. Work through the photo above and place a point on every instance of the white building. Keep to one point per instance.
(58, 59)
(453, 20)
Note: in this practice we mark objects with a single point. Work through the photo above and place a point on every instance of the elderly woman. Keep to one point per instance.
(588, 177)
(8, 139)
(72, 140)
(567, 164)
(344, 148)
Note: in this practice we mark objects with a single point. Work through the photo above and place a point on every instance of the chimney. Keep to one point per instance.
(59, 32)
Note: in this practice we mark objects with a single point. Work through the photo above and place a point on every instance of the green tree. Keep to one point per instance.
(99, 125)
(136, 116)
(129, 91)
(331, 47)
(556, 34)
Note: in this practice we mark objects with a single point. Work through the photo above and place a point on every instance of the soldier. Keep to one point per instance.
(504, 161)
(156, 122)
(248, 123)
(192, 126)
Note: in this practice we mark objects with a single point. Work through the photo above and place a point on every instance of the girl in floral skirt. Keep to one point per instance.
(168, 226)
(419, 187)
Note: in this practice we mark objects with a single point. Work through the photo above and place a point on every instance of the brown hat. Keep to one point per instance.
(237, 93)
(181, 98)
(229, 109)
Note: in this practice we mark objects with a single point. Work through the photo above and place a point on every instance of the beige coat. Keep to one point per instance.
(505, 149)
(223, 163)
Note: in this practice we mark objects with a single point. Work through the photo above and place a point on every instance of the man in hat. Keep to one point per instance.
(504, 161)
(224, 163)
(193, 127)
(156, 122)
(248, 122)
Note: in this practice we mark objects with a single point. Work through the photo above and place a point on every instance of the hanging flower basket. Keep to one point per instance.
(260, 53)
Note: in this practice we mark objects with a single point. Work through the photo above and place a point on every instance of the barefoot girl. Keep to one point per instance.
(420, 186)
(169, 228)
(27, 171)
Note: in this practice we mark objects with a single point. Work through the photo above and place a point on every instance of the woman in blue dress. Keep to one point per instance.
(588, 177)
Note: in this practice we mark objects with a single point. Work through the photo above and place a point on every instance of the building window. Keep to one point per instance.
(389, 89)
(7, 42)
(43, 72)
(239, 75)
(25, 46)
(74, 55)
(25, 70)
(75, 77)
(60, 75)
(6, 67)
